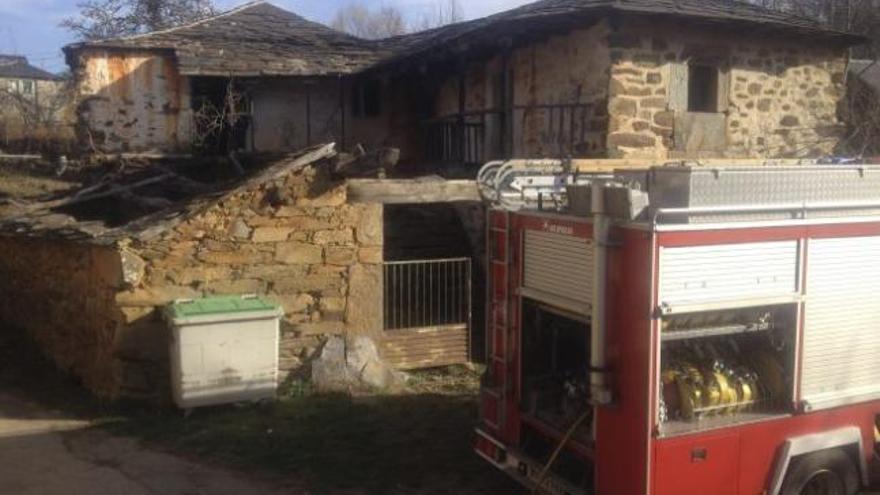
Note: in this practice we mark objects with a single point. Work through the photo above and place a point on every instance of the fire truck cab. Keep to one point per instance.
(682, 329)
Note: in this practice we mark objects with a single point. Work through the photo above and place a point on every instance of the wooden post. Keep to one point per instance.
(462, 103)
(308, 114)
(342, 113)
(506, 105)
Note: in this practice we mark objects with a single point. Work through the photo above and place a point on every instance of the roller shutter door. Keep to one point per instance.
(717, 273)
(841, 349)
(558, 269)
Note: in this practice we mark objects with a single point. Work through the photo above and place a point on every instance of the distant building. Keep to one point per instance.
(29, 98)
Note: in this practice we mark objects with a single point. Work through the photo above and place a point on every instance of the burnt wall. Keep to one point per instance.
(557, 99)
(291, 114)
(397, 122)
(131, 101)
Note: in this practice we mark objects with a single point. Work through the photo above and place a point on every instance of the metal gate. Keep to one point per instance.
(427, 312)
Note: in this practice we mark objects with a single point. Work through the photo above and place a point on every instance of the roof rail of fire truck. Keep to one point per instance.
(797, 211)
(544, 184)
(531, 184)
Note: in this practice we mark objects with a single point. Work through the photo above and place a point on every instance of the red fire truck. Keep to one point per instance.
(682, 330)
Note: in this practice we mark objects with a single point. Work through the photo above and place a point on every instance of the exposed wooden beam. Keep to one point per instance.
(112, 190)
(410, 191)
(19, 158)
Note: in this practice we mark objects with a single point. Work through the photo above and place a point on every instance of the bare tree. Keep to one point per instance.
(34, 118)
(215, 122)
(361, 21)
(442, 13)
(860, 16)
(100, 19)
(386, 21)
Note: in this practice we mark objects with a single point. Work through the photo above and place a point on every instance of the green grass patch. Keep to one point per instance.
(419, 443)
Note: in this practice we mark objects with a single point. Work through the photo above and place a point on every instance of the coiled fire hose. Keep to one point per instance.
(562, 443)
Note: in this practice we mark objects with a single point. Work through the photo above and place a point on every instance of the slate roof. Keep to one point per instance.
(257, 39)
(560, 12)
(261, 39)
(866, 70)
(17, 67)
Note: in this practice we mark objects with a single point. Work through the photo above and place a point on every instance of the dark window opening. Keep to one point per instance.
(366, 99)
(702, 88)
(221, 115)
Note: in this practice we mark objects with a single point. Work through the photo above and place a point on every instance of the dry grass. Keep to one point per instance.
(30, 181)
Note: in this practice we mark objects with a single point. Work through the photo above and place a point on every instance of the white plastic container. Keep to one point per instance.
(223, 349)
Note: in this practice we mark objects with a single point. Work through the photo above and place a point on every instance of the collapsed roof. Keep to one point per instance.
(17, 67)
(143, 201)
(259, 39)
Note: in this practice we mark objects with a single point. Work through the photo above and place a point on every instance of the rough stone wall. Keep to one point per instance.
(778, 98)
(95, 310)
(62, 295)
(298, 241)
(135, 101)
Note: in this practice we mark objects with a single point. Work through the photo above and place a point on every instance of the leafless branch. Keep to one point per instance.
(100, 19)
(211, 120)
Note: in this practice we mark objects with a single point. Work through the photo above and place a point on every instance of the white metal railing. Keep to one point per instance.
(427, 293)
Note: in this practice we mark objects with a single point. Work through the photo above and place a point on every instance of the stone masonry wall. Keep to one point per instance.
(296, 241)
(95, 310)
(61, 295)
(779, 97)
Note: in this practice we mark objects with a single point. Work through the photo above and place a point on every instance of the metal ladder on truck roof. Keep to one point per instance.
(531, 184)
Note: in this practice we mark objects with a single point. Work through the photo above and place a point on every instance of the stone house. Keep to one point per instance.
(29, 96)
(557, 78)
(579, 78)
(167, 90)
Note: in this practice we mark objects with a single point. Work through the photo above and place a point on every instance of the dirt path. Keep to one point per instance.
(43, 452)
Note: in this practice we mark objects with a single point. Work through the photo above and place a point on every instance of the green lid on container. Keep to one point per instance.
(218, 305)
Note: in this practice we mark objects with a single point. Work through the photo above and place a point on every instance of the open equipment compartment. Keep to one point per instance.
(556, 390)
(555, 367)
(725, 367)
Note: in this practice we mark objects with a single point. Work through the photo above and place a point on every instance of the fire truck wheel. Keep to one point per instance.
(827, 472)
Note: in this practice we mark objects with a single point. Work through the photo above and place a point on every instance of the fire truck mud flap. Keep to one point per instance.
(523, 469)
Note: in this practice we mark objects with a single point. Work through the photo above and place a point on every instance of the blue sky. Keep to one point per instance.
(30, 27)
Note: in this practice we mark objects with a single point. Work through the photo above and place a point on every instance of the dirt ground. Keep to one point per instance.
(46, 452)
(305, 443)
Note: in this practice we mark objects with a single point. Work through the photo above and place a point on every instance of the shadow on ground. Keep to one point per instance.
(418, 443)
